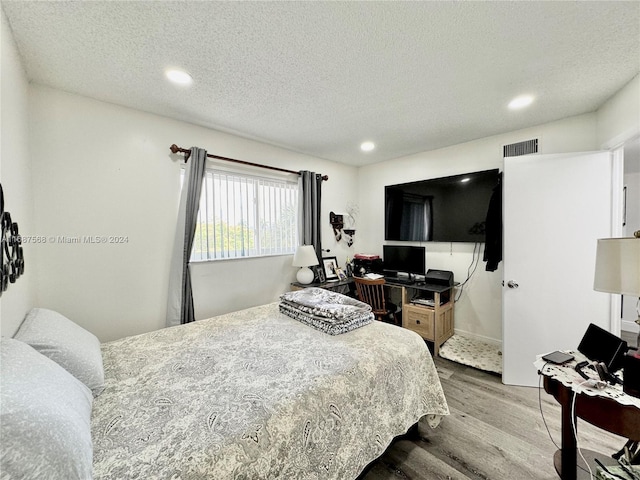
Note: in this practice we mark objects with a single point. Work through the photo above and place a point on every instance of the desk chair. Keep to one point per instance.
(372, 293)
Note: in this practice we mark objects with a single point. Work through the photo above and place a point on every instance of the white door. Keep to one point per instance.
(555, 207)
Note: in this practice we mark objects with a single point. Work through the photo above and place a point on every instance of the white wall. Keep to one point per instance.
(102, 169)
(479, 311)
(619, 117)
(15, 175)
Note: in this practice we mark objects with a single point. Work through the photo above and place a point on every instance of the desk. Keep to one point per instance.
(434, 323)
(606, 413)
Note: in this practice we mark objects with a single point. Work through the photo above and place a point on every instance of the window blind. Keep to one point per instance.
(245, 216)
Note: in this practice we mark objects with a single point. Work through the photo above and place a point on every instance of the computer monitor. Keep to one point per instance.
(602, 346)
(404, 259)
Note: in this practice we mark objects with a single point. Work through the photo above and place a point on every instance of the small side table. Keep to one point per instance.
(343, 286)
(612, 410)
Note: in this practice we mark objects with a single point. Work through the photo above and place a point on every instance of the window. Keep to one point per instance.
(245, 216)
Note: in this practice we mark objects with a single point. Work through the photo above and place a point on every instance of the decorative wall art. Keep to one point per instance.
(344, 229)
(12, 265)
(337, 222)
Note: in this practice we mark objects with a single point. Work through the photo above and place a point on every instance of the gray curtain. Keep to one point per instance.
(180, 303)
(311, 188)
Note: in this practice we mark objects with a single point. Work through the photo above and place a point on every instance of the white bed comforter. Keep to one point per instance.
(257, 395)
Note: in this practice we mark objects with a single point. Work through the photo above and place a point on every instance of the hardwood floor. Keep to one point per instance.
(494, 432)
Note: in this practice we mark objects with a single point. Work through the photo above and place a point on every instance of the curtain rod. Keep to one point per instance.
(175, 149)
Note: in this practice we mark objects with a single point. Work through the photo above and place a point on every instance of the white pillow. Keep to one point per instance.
(45, 417)
(67, 344)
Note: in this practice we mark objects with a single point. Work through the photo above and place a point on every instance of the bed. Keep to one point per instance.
(254, 394)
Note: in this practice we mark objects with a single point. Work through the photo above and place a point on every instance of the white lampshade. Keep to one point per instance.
(305, 257)
(618, 266)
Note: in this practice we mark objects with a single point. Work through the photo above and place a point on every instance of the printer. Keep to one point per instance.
(440, 278)
(364, 263)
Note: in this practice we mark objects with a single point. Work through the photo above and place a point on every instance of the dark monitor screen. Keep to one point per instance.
(403, 258)
(602, 346)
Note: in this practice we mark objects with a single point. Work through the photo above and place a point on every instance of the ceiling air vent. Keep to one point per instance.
(520, 148)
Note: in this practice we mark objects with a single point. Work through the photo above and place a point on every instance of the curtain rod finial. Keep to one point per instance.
(176, 149)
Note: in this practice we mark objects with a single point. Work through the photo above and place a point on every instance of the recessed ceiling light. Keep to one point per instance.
(178, 76)
(465, 180)
(367, 146)
(520, 102)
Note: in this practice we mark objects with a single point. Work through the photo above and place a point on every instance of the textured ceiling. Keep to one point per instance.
(321, 77)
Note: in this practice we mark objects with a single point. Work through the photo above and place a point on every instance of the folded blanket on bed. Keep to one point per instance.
(326, 303)
(328, 311)
(324, 324)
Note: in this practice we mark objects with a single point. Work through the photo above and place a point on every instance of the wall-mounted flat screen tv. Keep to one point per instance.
(447, 209)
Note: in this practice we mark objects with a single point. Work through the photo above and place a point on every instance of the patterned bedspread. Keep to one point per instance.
(257, 395)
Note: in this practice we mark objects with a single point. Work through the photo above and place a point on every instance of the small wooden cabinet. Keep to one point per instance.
(433, 323)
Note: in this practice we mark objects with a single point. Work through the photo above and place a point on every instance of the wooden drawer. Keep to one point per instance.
(420, 320)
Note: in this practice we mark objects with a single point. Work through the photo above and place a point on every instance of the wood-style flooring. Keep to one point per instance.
(494, 432)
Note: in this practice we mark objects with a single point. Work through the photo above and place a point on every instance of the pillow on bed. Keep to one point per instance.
(45, 417)
(67, 344)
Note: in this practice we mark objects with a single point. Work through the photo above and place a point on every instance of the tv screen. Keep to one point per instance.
(447, 209)
(403, 258)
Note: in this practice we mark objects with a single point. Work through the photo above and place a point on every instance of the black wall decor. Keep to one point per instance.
(12, 265)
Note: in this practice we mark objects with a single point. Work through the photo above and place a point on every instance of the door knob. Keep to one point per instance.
(512, 284)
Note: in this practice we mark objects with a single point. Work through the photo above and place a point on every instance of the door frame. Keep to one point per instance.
(617, 211)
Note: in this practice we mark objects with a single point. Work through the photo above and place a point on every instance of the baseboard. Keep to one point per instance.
(630, 326)
(482, 338)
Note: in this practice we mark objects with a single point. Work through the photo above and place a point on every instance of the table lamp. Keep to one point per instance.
(305, 257)
(618, 267)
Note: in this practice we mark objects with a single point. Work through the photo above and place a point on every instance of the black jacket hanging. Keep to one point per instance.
(493, 239)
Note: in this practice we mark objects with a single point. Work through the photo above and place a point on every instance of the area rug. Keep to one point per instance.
(473, 352)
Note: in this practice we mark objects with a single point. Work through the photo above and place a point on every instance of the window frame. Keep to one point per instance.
(258, 180)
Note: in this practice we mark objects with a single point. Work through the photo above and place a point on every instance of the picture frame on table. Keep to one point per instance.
(330, 265)
(341, 275)
(318, 270)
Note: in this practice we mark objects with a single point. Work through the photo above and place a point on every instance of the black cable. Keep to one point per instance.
(475, 267)
(470, 273)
